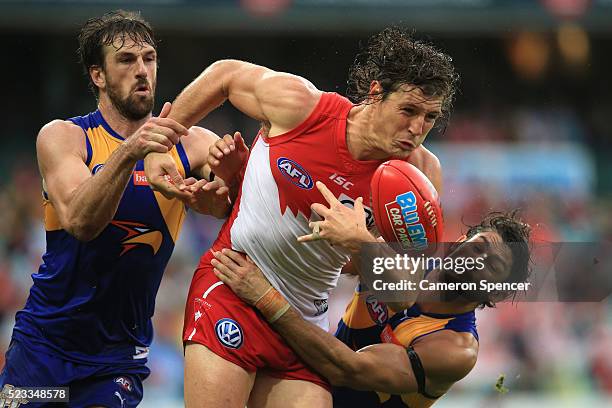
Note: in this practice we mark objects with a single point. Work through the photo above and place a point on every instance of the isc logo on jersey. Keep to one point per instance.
(294, 173)
(229, 333)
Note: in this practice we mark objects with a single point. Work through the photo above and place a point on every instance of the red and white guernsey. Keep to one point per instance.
(273, 208)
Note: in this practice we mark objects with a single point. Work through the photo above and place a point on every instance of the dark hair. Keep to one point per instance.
(514, 231)
(394, 59)
(100, 31)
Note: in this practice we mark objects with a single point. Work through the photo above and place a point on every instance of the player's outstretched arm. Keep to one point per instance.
(278, 99)
(86, 203)
(381, 367)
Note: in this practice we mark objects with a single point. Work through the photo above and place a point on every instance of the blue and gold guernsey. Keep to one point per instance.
(92, 302)
(368, 321)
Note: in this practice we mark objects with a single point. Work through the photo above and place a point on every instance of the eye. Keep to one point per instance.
(432, 117)
(409, 111)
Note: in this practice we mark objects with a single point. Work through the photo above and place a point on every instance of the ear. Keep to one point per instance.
(375, 93)
(96, 73)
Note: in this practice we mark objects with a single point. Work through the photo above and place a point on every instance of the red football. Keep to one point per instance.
(406, 205)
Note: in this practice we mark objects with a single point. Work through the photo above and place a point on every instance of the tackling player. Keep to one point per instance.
(405, 359)
(87, 322)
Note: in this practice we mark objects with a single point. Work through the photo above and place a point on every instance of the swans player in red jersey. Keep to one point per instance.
(402, 86)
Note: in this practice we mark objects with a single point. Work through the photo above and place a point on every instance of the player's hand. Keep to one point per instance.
(163, 176)
(158, 134)
(341, 225)
(241, 275)
(227, 156)
(208, 197)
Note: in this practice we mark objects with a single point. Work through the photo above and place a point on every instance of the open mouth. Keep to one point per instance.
(142, 89)
(407, 145)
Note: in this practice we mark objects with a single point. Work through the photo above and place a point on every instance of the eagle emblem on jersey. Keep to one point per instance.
(138, 234)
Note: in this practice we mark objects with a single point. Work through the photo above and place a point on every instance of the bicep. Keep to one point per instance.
(60, 151)
(196, 146)
(384, 368)
(283, 100)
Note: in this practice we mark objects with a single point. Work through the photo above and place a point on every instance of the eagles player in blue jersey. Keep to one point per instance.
(87, 322)
(407, 359)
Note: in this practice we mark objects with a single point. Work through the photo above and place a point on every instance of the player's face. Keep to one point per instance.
(403, 120)
(494, 265)
(130, 77)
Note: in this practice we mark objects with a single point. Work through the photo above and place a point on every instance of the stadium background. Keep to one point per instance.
(530, 129)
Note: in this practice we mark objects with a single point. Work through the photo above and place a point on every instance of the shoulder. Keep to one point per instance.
(286, 100)
(425, 160)
(429, 164)
(447, 356)
(61, 135)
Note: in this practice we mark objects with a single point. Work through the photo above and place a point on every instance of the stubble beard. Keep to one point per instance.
(133, 107)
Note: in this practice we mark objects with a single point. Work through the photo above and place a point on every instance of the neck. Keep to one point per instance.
(119, 123)
(429, 301)
(358, 128)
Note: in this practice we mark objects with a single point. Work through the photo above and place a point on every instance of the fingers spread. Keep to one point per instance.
(309, 238)
(359, 205)
(320, 209)
(328, 195)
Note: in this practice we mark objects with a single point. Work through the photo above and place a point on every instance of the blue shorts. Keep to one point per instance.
(89, 385)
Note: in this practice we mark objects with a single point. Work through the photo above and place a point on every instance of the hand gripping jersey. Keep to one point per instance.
(368, 321)
(274, 205)
(92, 302)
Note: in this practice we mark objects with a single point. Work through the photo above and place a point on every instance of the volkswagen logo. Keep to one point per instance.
(229, 333)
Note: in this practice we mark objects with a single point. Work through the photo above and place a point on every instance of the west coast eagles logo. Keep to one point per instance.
(138, 234)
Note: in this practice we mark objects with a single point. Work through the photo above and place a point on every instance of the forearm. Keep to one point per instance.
(204, 94)
(320, 350)
(364, 263)
(94, 203)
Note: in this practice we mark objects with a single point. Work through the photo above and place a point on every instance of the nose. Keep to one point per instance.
(141, 68)
(416, 125)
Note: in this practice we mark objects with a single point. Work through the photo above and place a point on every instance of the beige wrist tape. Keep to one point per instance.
(272, 305)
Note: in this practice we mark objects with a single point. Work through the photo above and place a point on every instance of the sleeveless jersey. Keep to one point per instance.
(274, 205)
(368, 321)
(92, 302)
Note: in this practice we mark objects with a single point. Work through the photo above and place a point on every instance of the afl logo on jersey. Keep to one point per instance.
(377, 310)
(125, 383)
(294, 173)
(229, 333)
(97, 168)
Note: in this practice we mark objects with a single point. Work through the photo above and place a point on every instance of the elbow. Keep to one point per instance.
(83, 231)
(399, 306)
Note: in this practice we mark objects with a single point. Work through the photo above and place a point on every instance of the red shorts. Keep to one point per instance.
(216, 318)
